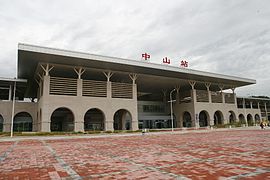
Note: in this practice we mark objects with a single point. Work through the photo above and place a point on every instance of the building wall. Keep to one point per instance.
(79, 105)
(179, 110)
(211, 108)
(194, 108)
(6, 112)
(252, 112)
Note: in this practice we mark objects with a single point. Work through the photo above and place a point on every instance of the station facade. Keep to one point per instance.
(60, 90)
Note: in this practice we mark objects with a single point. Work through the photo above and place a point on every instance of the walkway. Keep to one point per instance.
(230, 154)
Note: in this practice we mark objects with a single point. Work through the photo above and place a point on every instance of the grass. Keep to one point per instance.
(232, 125)
(6, 134)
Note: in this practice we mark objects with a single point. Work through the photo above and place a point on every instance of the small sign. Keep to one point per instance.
(146, 56)
(166, 60)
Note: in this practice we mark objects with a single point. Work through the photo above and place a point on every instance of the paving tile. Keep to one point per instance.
(232, 154)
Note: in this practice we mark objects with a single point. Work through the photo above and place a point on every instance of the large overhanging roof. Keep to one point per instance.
(30, 55)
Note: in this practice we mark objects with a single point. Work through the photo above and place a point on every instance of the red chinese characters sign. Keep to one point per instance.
(146, 56)
(184, 64)
(166, 60)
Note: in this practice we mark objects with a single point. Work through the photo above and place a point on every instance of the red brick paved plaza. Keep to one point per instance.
(231, 154)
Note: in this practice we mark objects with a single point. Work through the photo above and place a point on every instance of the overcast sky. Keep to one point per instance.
(220, 36)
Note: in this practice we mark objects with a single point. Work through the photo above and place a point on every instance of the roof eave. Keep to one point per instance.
(128, 62)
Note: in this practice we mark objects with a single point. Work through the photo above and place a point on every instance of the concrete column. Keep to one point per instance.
(46, 80)
(45, 127)
(235, 99)
(133, 77)
(108, 124)
(245, 111)
(207, 85)
(195, 115)
(134, 112)
(134, 92)
(79, 122)
(134, 121)
(79, 87)
(109, 89)
(195, 122)
(10, 92)
(209, 96)
(234, 95)
(178, 119)
(109, 85)
(212, 122)
(251, 107)
(194, 95)
(46, 85)
(266, 113)
(45, 121)
(79, 72)
(223, 97)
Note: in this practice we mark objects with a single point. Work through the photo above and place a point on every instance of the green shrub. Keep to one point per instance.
(220, 125)
(93, 132)
(250, 124)
(129, 131)
(117, 131)
(154, 130)
(109, 132)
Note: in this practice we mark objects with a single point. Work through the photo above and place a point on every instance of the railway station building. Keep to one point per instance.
(62, 90)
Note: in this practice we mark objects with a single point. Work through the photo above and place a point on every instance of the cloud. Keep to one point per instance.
(228, 37)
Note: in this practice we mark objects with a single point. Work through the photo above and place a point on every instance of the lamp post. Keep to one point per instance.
(13, 105)
(171, 101)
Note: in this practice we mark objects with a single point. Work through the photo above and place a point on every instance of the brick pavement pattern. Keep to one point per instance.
(232, 154)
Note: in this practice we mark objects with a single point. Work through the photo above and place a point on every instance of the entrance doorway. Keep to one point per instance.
(62, 119)
(122, 120)
(218, 118)
(187, 119)
(250, 120)
(242, 119)
(232, 117)
(22, 122)
(1, 123)
(94, 120)
(203, 119)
